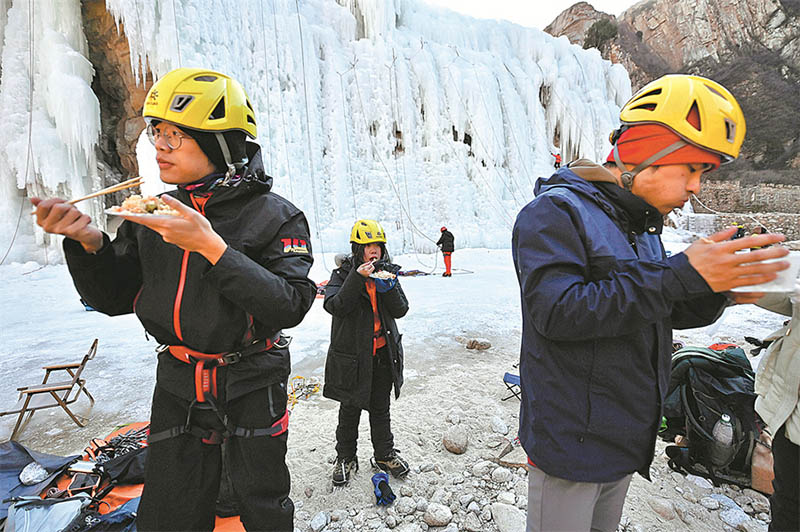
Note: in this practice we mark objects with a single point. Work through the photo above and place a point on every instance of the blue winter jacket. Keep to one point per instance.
(599, 302)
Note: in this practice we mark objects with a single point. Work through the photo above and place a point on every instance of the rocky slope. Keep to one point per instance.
(750, 46)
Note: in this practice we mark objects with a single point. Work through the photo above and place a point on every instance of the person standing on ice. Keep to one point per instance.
(600, 297)
(446, 244)
(556, 160)
(365, 357)
(214, 285)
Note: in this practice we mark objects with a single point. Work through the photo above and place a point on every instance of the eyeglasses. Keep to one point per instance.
(174, 140)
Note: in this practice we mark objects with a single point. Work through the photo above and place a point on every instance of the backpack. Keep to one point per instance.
(708, 386)
(34, 514)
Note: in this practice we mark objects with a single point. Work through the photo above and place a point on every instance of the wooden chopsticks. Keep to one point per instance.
(132, 182)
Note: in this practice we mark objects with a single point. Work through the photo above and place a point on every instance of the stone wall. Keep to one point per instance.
(776, 222)
(733, 197)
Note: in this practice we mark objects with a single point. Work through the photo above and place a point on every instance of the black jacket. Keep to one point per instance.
(446, 241)
(348, 368)
(259, 286)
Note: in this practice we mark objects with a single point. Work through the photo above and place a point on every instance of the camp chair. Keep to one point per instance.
(52, 394)
(512, 383)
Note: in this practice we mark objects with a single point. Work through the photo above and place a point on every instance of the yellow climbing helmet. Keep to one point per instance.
(367, 232)
(670, 99)
(200, 99)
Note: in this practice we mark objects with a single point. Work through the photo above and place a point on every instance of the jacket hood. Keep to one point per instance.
(577, 175)
(254, 172)
(601, 186)
(253, 179)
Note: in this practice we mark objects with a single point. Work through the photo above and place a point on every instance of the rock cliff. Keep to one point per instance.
(750, 46)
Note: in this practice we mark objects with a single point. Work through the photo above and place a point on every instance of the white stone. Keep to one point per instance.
(506, 497)
(498, 425)
(456, 439)
(320, 521)
(508, 518)
(501, 475)
(473, 507)
(437, 515)
(700, 482)
(482, 468)
(733, 516)
(662, 507)
(473, 524)
(405, 506)
(711, 504)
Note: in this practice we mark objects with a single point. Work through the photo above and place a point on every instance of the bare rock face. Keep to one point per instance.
(121, 98)
(575, 21)
(689, 31)
(752, 47)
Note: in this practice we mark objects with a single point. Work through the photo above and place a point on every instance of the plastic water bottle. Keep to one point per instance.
(722, 449)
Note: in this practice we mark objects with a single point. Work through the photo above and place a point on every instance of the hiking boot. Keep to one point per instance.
(344, 469)
(392, 464)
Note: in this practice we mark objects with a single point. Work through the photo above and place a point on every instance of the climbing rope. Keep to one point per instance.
(478, 138)
(302, 388)
(280, 99)
(732, 213)
(308, 136)
(177, 33)
(383, 163)
(29, 152)
(266, 83)
(347, 140)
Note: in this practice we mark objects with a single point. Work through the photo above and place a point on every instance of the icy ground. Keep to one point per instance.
(44, 323)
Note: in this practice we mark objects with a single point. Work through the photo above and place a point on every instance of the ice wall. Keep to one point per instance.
(51, 120)
(386, 109)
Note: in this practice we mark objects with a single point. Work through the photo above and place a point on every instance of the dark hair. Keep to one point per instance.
(358, 252)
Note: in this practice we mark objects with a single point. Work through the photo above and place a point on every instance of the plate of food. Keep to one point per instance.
(149, 206)
(382, 274)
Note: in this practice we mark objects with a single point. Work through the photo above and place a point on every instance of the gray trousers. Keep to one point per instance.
(555, 504)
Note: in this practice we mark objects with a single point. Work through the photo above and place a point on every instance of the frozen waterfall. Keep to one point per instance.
(388, 109)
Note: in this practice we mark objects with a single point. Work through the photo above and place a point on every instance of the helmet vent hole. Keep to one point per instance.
(207, 79)
(653, 92)
(250, 120)
(219, 110)
(730, 131)
(715, 91)
(693, 117)
(249, 106)
(180, 101)
(646, 107)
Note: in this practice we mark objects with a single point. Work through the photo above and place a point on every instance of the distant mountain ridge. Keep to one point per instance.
(750, 46)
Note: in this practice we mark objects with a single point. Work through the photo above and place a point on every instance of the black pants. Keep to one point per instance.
(785, 501)
(183, 474)
(379, 421)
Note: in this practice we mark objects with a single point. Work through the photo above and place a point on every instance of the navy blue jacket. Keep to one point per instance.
(599, 302)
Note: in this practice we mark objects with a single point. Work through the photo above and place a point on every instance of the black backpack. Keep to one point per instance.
(706, 385)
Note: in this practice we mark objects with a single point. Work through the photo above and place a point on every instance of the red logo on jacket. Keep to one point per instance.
(294, 245)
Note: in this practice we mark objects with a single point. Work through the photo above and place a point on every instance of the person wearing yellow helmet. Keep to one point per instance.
(214, 285)
(365, 357)
(600, 297)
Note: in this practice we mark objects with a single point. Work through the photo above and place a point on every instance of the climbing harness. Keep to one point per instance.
(205, 381)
